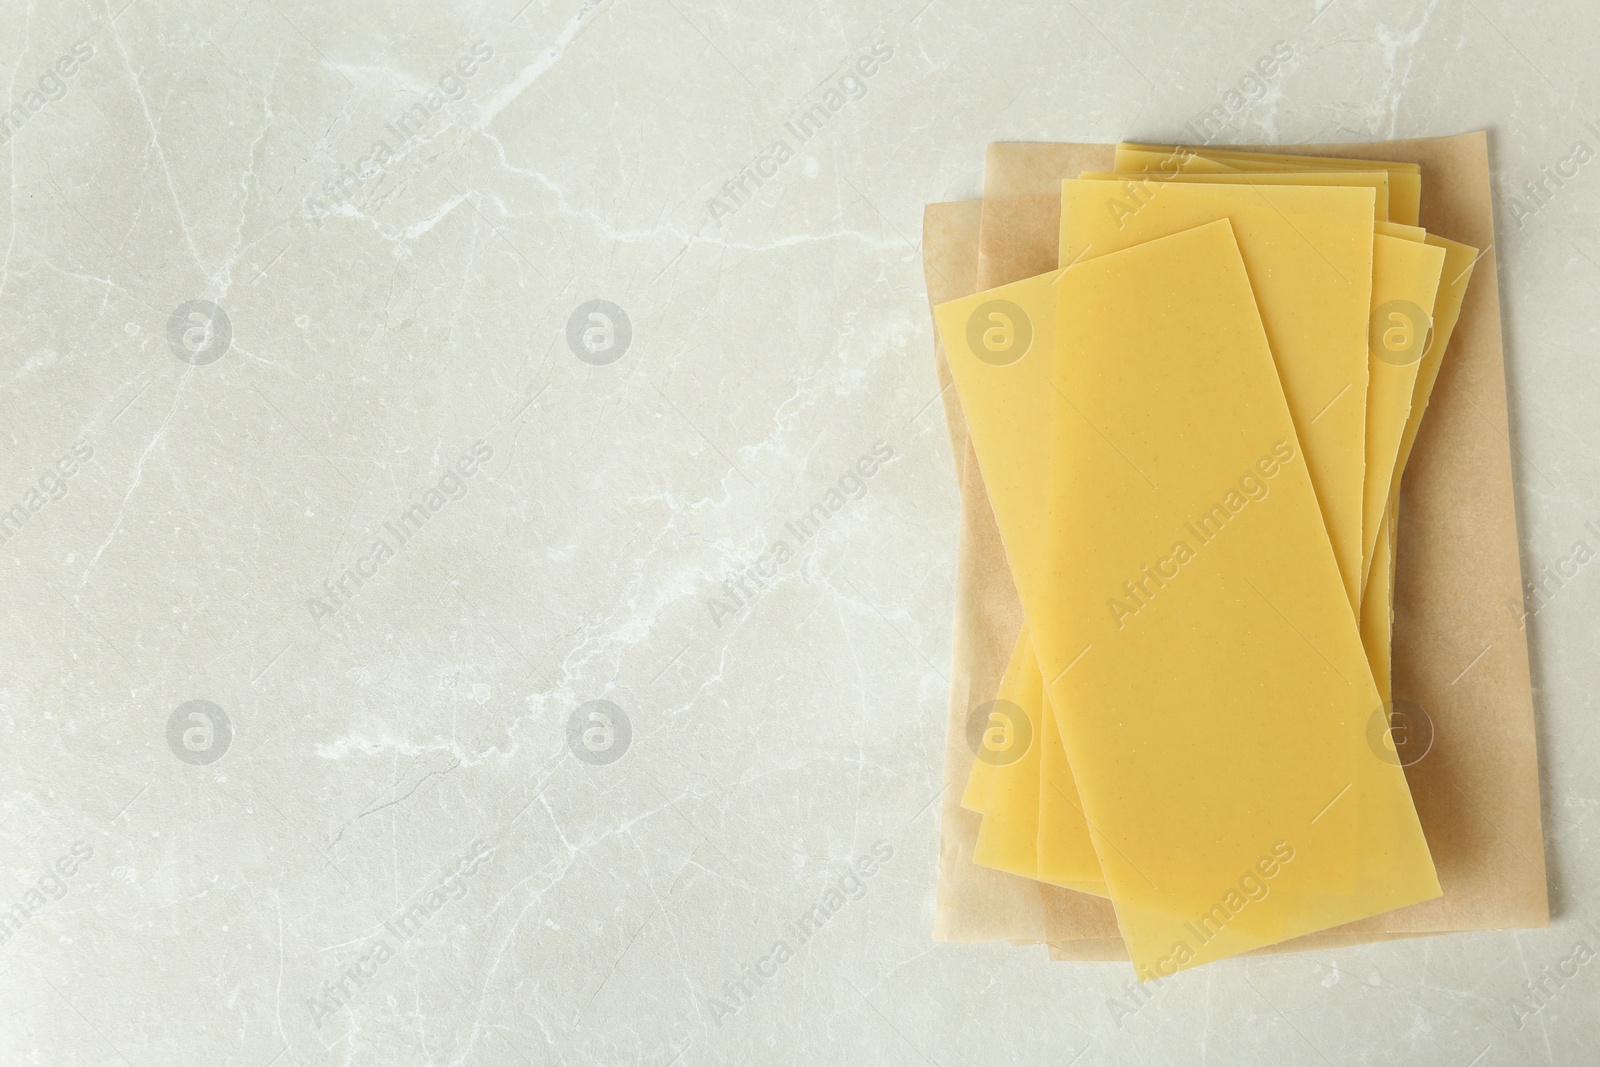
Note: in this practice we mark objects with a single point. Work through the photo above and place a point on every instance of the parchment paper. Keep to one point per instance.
(1460, 652)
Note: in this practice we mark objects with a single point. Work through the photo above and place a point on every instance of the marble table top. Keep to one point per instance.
(477, 542)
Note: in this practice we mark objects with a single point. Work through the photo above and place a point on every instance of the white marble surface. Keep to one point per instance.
(402, 743)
